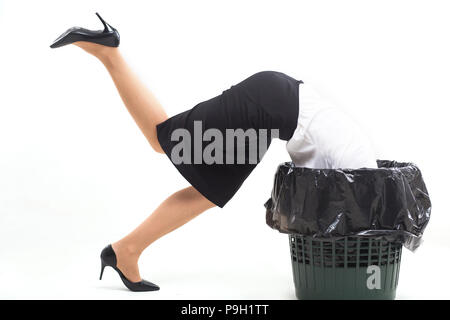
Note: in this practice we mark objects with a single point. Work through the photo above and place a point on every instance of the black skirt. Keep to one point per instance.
(265, 102)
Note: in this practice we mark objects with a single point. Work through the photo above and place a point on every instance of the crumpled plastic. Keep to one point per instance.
(390, 202)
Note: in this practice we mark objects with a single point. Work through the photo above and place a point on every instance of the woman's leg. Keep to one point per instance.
(140, 102)
(175, 211)
(180, 207)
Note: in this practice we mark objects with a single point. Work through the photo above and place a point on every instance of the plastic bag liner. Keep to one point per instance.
(389, 203)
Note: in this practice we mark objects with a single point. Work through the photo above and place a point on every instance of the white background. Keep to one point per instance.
(76, 173)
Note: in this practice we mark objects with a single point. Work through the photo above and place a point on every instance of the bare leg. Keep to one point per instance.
(143, 106)
(175, 211)
(180, 207)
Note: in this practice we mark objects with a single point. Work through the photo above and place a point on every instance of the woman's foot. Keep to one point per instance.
(127, 261)
(103, 53)
(109, 36)
(108, 258)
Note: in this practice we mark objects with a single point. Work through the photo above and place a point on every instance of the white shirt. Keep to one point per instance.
(326, 138)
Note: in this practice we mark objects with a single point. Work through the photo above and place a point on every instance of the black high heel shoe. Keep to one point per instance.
(108, 258)
(108, 37)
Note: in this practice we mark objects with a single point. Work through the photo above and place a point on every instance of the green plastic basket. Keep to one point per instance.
(347, 268)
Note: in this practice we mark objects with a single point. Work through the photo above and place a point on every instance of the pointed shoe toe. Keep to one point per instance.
(142, 286)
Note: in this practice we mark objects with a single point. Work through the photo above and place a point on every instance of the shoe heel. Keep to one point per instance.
(102, 269)
(106, 25)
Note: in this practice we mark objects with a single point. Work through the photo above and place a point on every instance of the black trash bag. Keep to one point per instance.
(389, 203)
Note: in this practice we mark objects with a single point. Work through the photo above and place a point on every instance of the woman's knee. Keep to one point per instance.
(196, 196)
(153, 137)
(156, 146)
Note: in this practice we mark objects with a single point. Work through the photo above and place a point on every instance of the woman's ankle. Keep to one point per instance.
(126, 250)
(109, 57)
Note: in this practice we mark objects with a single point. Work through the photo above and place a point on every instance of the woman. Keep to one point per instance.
(235, 130)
